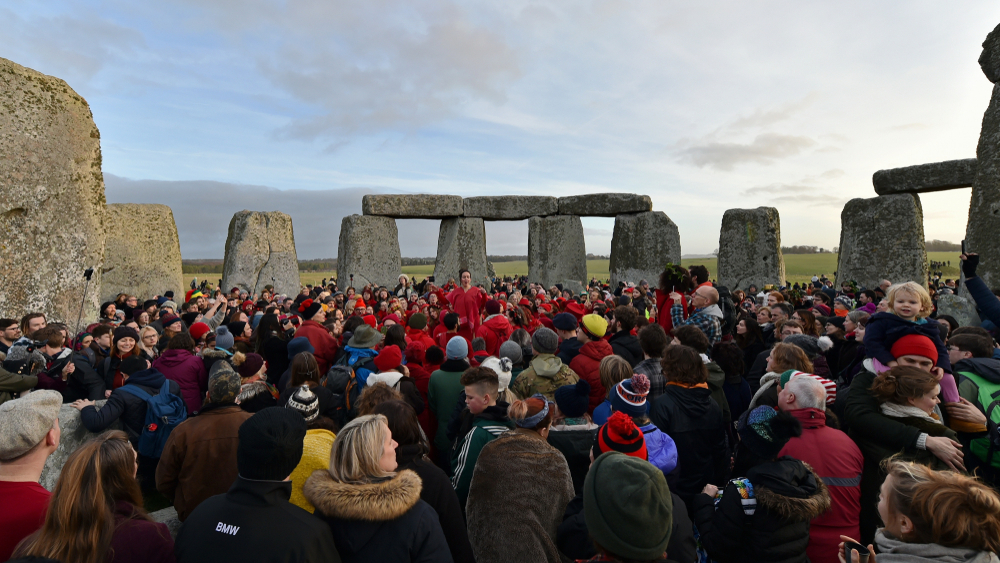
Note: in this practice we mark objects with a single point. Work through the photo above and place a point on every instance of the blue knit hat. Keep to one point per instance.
(299, 344)
(764, 431)
(574, 399)
(457, 349)
(629, 396)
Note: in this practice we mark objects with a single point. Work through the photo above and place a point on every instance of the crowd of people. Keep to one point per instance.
(506, 421)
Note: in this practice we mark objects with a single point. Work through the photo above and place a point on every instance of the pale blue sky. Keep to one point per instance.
(703, 107)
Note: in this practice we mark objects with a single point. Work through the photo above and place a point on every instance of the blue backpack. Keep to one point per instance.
(163, 413)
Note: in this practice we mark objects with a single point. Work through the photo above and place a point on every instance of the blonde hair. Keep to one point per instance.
(613, 370)
(914, 288)
(141, 344)
(357, 450)
(924, 495)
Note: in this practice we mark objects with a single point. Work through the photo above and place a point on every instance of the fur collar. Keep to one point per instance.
(375, 502)
(793, 508)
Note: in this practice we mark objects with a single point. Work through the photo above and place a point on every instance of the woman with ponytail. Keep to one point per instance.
(518, 523)
(932, 516)
(95, 513)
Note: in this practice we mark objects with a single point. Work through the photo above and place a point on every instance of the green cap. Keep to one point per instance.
(627, 506)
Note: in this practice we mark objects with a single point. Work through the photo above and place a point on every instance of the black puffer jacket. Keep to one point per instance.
(694, 421)
(788, 493)
(379, 521)
(627, 346)
(128, 408)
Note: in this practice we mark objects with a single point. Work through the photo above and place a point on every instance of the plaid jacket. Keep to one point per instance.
(652, 369)
(709, 324)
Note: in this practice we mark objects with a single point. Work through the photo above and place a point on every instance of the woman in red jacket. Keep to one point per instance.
(179, 363)
(324, 344)
(674, 278)
(467, 301)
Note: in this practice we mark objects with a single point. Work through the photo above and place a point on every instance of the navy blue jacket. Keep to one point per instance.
(884, 329)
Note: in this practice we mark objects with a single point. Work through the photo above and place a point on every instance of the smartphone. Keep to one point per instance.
(850, 546)
(964, 251)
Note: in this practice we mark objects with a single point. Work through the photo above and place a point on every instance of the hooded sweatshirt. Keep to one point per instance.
(587, 366)
(495, 331)
(891, 550)
(545, 374)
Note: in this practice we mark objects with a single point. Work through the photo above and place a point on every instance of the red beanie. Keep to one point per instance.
(620, 434)
(576, 310)
(492, 307)
(915, 345)
(198, 330)
(389, 358)
(369, 320)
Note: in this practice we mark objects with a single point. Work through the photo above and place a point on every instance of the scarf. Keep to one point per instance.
(902, 411)
(892, 550)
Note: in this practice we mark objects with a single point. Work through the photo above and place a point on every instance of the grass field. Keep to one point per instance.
(798, 268)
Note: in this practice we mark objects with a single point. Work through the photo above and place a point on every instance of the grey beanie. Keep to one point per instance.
(512, 351)
(808, 344)
(457, 349)
(223, 338)
(545, 341)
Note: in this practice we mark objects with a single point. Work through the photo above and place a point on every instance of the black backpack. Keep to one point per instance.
(342, 381)
(730, 314)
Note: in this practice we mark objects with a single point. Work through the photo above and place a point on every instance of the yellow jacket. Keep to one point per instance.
(315, 455)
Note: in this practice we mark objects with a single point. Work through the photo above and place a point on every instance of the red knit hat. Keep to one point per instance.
(198, 330)
(492, 307)
(915, 345)
(369, 320)
(524, 302)
(389, 358)
(620, 434)
(309, 308)
(576, 310)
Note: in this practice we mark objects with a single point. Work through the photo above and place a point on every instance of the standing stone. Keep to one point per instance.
(750, 248)
(260, 251)
(142, 253)
(412, 206)
(52, 208)
(461, 246)
(557, 253)
(642, 245)
(963, 309)
(984, 207)
(510, 207)
(604, 205)
(73, 434)
(882, 238)
(368, 250)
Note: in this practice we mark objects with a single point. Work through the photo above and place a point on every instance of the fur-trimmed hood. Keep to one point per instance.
(374, 502)
(790, 489)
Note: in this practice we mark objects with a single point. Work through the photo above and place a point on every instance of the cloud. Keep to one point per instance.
(763, 118)
(776, 189)
(765, 149)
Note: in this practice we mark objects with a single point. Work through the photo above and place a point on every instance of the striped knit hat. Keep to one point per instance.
(629, 396)
(830, 386)
(620, 434)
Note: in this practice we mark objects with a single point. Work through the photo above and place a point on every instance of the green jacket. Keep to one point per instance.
(545, 374)
(716, 379)
(485, 428)
(443, 390)
(11, 383)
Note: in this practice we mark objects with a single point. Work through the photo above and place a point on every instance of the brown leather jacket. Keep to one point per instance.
(199, 458)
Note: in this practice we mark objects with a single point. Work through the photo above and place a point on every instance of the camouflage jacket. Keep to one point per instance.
(545, 374)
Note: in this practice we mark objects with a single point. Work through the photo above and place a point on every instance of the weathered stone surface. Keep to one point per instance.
(604, 205)
(750, 248)
(557, 253)
(984, 207)
(461, 245)
(412, 206)
(510, 207)
(882, 238)
(642, 244)
(52, 207)
(368, 250)
(260, 251)
(72, 435)
(932, 177)
(964, 310)
(130, 266)
(168, 516)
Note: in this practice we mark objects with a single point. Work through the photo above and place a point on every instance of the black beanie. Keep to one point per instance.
(270, 444)
(190, 318)
(236, 328)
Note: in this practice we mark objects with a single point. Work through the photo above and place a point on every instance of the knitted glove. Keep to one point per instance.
(969, 266)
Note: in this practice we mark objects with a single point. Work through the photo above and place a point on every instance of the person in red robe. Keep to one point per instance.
(467, 301)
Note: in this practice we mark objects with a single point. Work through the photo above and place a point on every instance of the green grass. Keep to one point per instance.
(798, 268)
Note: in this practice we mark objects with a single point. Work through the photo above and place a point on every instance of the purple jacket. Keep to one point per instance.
(660, 448)
(188, 370)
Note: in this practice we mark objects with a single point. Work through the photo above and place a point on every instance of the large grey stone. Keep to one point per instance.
(984, 207)
(52, 207)
(72, 435)
(412, 206)
(932, 177)
(557, 253)
(510, 207)
(642, 245)
(604, 205)
(750, 248)
(882, 238)
(461, 246)
(369, 251)
(260, 251)
(964, 310)
(168, 516)
(142, 253)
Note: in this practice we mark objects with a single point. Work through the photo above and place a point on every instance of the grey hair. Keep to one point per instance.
(809, 393)
(857, 315)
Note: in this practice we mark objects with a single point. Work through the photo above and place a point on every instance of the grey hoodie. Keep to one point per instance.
(892, 550)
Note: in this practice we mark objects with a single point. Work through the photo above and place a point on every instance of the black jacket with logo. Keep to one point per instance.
(254, 522)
